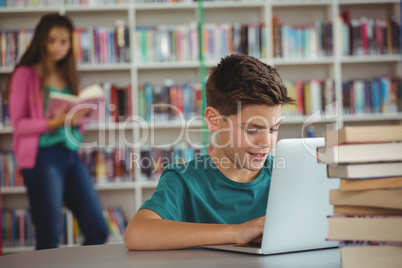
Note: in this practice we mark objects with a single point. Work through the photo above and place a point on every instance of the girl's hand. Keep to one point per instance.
(58, 119)
(61, 118)
(77, 117)
(250, 231)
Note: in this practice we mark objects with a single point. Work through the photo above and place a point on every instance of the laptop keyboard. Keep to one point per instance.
(249, 245)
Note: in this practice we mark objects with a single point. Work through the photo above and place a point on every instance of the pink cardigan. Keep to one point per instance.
(26, 112)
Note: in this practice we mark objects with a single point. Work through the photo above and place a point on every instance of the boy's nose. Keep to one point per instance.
(264, 140)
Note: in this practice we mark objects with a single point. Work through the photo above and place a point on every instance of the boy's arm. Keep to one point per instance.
(148, 231)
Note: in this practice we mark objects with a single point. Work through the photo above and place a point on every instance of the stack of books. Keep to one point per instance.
(367, 216)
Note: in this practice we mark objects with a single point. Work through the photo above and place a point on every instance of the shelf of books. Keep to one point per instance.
(103, 126)
(149, 184)
(104, 67)
(372, 58)
(12, 189)
(179, 5)
(301, 61)
(340, 60)
(233, 4)
(31, 9)
(351, 2)
(293, 3)
(373, 117)
(6, 70)
(100, 187)
(167, 65)
(101, 7)
(19, 231)
(159, 5)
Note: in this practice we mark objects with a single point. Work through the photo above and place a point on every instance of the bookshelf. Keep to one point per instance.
(129, 196)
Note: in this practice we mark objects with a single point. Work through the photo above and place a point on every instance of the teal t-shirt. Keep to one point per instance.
(59, 136)
(199, 192)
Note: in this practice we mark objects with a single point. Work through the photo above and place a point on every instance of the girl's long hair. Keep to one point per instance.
(36, 53)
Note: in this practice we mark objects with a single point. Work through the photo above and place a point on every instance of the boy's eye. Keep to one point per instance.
(274, 129)
(251, 131)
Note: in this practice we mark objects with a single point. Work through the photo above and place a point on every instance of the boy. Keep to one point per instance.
(221, 197)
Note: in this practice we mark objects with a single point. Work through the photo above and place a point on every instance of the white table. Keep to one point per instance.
(117, 255)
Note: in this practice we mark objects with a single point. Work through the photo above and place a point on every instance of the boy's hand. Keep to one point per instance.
(250, 231)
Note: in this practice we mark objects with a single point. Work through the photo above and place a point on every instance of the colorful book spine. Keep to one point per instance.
(94, 2)
(10, 175)
(365, 36)
(109, 165)
(12, 45)
(91, 46)
(101, 45)
(18, 229)
(29, 3)
(180, 43)
(166, 43)
(377, 95)
(153, 160)
(170, 102)
(115, 222)
(359, 97)
(311, 96)
(302, 41)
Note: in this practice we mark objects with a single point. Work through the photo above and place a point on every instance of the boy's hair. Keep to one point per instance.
(36, 53)
(245, 79)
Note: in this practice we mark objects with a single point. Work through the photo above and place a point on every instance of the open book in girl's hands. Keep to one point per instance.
(92, 94)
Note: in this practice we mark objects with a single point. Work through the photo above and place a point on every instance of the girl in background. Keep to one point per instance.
(52, 171)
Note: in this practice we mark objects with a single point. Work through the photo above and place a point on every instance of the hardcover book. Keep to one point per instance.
(366, 170)
(371, 256)
(370, 184)
(361, 134)
(360, 153)
(362, 210)
(365, 228)
(390, 199)
(92, 94)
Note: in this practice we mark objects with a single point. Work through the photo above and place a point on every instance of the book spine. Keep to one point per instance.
(101, 167)
(359, 97)
(119, 166)
(119, 219)
(315, 95)
(109, 164)
(148, 100)
(17, 228)
(385, 94)
(2, 171)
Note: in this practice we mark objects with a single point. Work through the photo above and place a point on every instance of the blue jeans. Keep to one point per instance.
(60, 177)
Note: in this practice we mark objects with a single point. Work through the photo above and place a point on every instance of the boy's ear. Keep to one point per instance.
(211, 116)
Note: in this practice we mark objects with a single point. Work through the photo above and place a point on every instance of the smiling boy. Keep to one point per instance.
(220, 197)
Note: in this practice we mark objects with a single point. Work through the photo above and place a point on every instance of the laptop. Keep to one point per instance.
(298, 202)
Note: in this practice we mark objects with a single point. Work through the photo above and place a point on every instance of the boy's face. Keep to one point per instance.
(247, 137)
